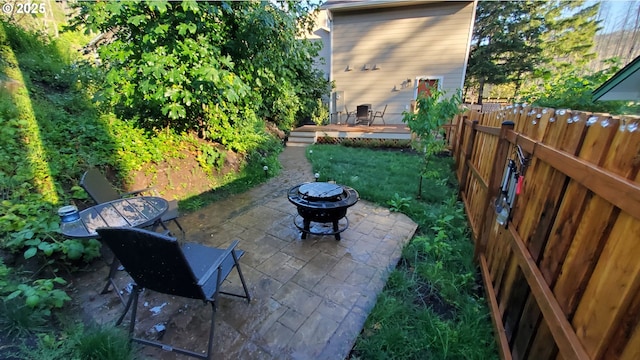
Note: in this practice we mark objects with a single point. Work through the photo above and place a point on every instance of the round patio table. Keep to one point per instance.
(139, 211)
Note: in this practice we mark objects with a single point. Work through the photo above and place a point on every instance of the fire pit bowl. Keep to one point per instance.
(322, 203)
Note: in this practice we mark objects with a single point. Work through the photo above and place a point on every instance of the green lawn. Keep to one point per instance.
(432, 306)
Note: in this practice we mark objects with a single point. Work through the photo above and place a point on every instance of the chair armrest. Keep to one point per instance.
(136, 192)
(218, 263)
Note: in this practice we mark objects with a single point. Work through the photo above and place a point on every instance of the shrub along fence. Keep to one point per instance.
(562, 275)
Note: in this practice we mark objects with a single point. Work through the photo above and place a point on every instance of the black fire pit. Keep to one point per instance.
(323, 203)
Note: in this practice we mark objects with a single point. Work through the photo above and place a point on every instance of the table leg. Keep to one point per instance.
(112, 273)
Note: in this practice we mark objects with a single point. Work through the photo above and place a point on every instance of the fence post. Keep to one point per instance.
(495, 177)
(467, 154)
(458, 138)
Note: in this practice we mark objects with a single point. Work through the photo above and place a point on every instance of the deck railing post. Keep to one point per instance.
(499, 161)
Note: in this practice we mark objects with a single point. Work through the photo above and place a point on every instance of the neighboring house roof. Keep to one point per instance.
(337, 5)
(624, 85)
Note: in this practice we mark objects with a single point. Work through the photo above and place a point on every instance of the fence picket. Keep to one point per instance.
(564, 278)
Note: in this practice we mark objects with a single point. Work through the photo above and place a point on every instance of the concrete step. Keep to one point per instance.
(300, 138)
(297, 144)
(308, 140)
(303, 134)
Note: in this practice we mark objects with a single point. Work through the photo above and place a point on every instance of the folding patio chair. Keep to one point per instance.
(379, 114)
(159, 263)
(101, 191)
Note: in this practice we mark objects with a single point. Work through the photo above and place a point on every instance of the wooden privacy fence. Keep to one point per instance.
(562, 276)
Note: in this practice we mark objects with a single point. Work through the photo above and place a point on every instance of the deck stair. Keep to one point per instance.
(335, 134)
(301, 138)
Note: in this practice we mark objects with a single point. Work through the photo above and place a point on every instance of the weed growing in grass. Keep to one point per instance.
(192, 203)
(430, 307)
(398, 203)
(106, 343)
(17, 320)
(78, 342)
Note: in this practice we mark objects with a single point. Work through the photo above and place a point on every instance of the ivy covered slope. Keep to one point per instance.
(188, 77)
(43, 145)
(51, 133)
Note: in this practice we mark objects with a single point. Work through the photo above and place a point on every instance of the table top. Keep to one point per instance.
(138, 211)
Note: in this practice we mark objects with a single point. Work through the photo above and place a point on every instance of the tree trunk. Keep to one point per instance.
(480, 90)
(518, 83)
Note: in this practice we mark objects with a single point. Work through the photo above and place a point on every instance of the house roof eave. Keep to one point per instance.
(623, 85)
(348, 5)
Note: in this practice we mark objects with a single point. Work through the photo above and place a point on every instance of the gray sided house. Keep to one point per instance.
(322, 33)
(384, 53)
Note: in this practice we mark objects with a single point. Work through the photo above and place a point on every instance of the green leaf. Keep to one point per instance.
(174, 111)
(161, 29)
(14, 295)
(160, 5)
(31, 252)
(190, 5)
(137, 20)
(182, 29)
(74, 249)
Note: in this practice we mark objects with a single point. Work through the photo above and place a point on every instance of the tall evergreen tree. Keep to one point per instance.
(506, 42)
(569, 37)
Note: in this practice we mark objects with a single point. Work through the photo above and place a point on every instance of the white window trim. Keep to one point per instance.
(426, 77)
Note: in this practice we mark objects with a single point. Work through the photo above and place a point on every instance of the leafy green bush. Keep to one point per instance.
(210, 158)
(320, 115)
(399, 203)
(214, 68)
(433, 112)
(26, 305)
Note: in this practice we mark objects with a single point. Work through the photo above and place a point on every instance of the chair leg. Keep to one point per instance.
(212, 329)
(244, 284)
(113, 268)
(134, 310)
(135, 294)
(184, 236)
(165, 346)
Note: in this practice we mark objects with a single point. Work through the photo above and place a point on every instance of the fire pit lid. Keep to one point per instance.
(320, 190)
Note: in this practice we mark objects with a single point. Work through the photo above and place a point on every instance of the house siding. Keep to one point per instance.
(406, 43)
(322, 35)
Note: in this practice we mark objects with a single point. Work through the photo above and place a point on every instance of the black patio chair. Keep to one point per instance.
(379, 114)
(159, 263)
(101, 191)
(363, 114)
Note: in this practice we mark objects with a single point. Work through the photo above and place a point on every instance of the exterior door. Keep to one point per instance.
(424, 86)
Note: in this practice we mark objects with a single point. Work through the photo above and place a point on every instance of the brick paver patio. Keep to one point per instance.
(310, 298)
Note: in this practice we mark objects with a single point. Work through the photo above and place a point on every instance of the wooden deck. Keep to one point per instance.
(334, 133)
